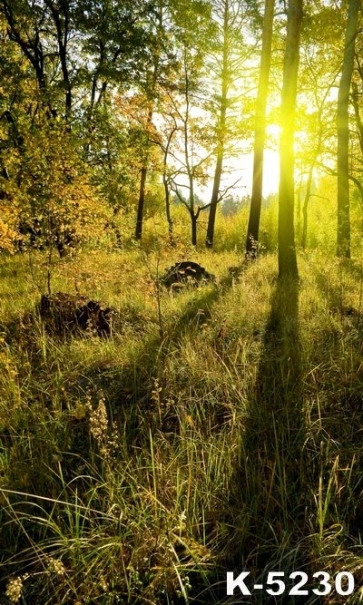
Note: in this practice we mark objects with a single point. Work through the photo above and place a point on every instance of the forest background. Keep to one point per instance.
(214, 428)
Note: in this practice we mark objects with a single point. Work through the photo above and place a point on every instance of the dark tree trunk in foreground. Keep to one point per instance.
(260, 132)
(343, 234)
(286, 236)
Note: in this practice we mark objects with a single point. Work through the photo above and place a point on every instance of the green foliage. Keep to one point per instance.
(48, 195)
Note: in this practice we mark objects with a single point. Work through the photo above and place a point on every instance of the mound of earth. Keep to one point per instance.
(186, 273)
(64, 313)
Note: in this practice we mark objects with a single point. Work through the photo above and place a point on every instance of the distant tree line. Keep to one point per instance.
(107, 106)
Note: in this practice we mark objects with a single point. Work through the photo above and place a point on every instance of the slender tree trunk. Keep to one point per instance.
(311, 174)
(151, 97)
(214, 200)
(194, 219)
(189, 157)
(167, 209)
(61, 22)
(141, 204)
(167, 187)
(143, 174)
(358, 119)
(305, 206)
(260, 131)
(298, 208)
(191, 208)
(343, 234)
(221, 133)
(286, 236)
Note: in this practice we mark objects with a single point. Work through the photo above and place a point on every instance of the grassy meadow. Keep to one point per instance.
(217, 429)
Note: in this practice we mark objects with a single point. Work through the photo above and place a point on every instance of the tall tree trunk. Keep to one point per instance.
(309, 184)
(151, 97)
(141, 204)
(343, 234)
(61, 22)
(143, 176)
(260, 131)
(192, 213)
(221, 133)
(194, 220)
(214, 199)
(286, 236)
(167, 186)
(358, 119)
(189, 158)
(167, 209)
(311, 171)
(304, 235)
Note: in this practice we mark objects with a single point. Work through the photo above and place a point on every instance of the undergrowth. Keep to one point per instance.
(217, 429)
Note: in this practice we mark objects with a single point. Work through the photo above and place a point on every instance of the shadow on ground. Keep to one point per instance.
(267, 484)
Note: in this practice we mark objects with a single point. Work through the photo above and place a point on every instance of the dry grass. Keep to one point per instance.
(217, 429)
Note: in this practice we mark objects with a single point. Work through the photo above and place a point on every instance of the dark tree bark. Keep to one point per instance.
(260, 131)
(141, 204)
(166, 184)
(214, 199)
(35, 51)
(61, 20)
(286, 234)
(221, 134)
(343, 233)
(194, 221)
(167, 209)
(31, 46)
(151, 96)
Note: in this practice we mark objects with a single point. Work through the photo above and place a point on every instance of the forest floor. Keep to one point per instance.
(217, 429)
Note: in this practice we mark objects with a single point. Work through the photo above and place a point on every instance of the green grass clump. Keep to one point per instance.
(218, 428)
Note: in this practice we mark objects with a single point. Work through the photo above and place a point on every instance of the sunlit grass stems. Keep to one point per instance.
(139, 468)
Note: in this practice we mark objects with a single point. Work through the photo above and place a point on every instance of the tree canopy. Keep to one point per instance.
(127, 105)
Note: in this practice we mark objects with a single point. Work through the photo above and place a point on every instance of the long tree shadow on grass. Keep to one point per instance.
(128, 387)
(268, 488)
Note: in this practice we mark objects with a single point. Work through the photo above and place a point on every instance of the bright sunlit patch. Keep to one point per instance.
(271, 168)
(271, 174)
(273, 132)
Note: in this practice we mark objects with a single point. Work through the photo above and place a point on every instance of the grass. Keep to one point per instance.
(218, 429)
